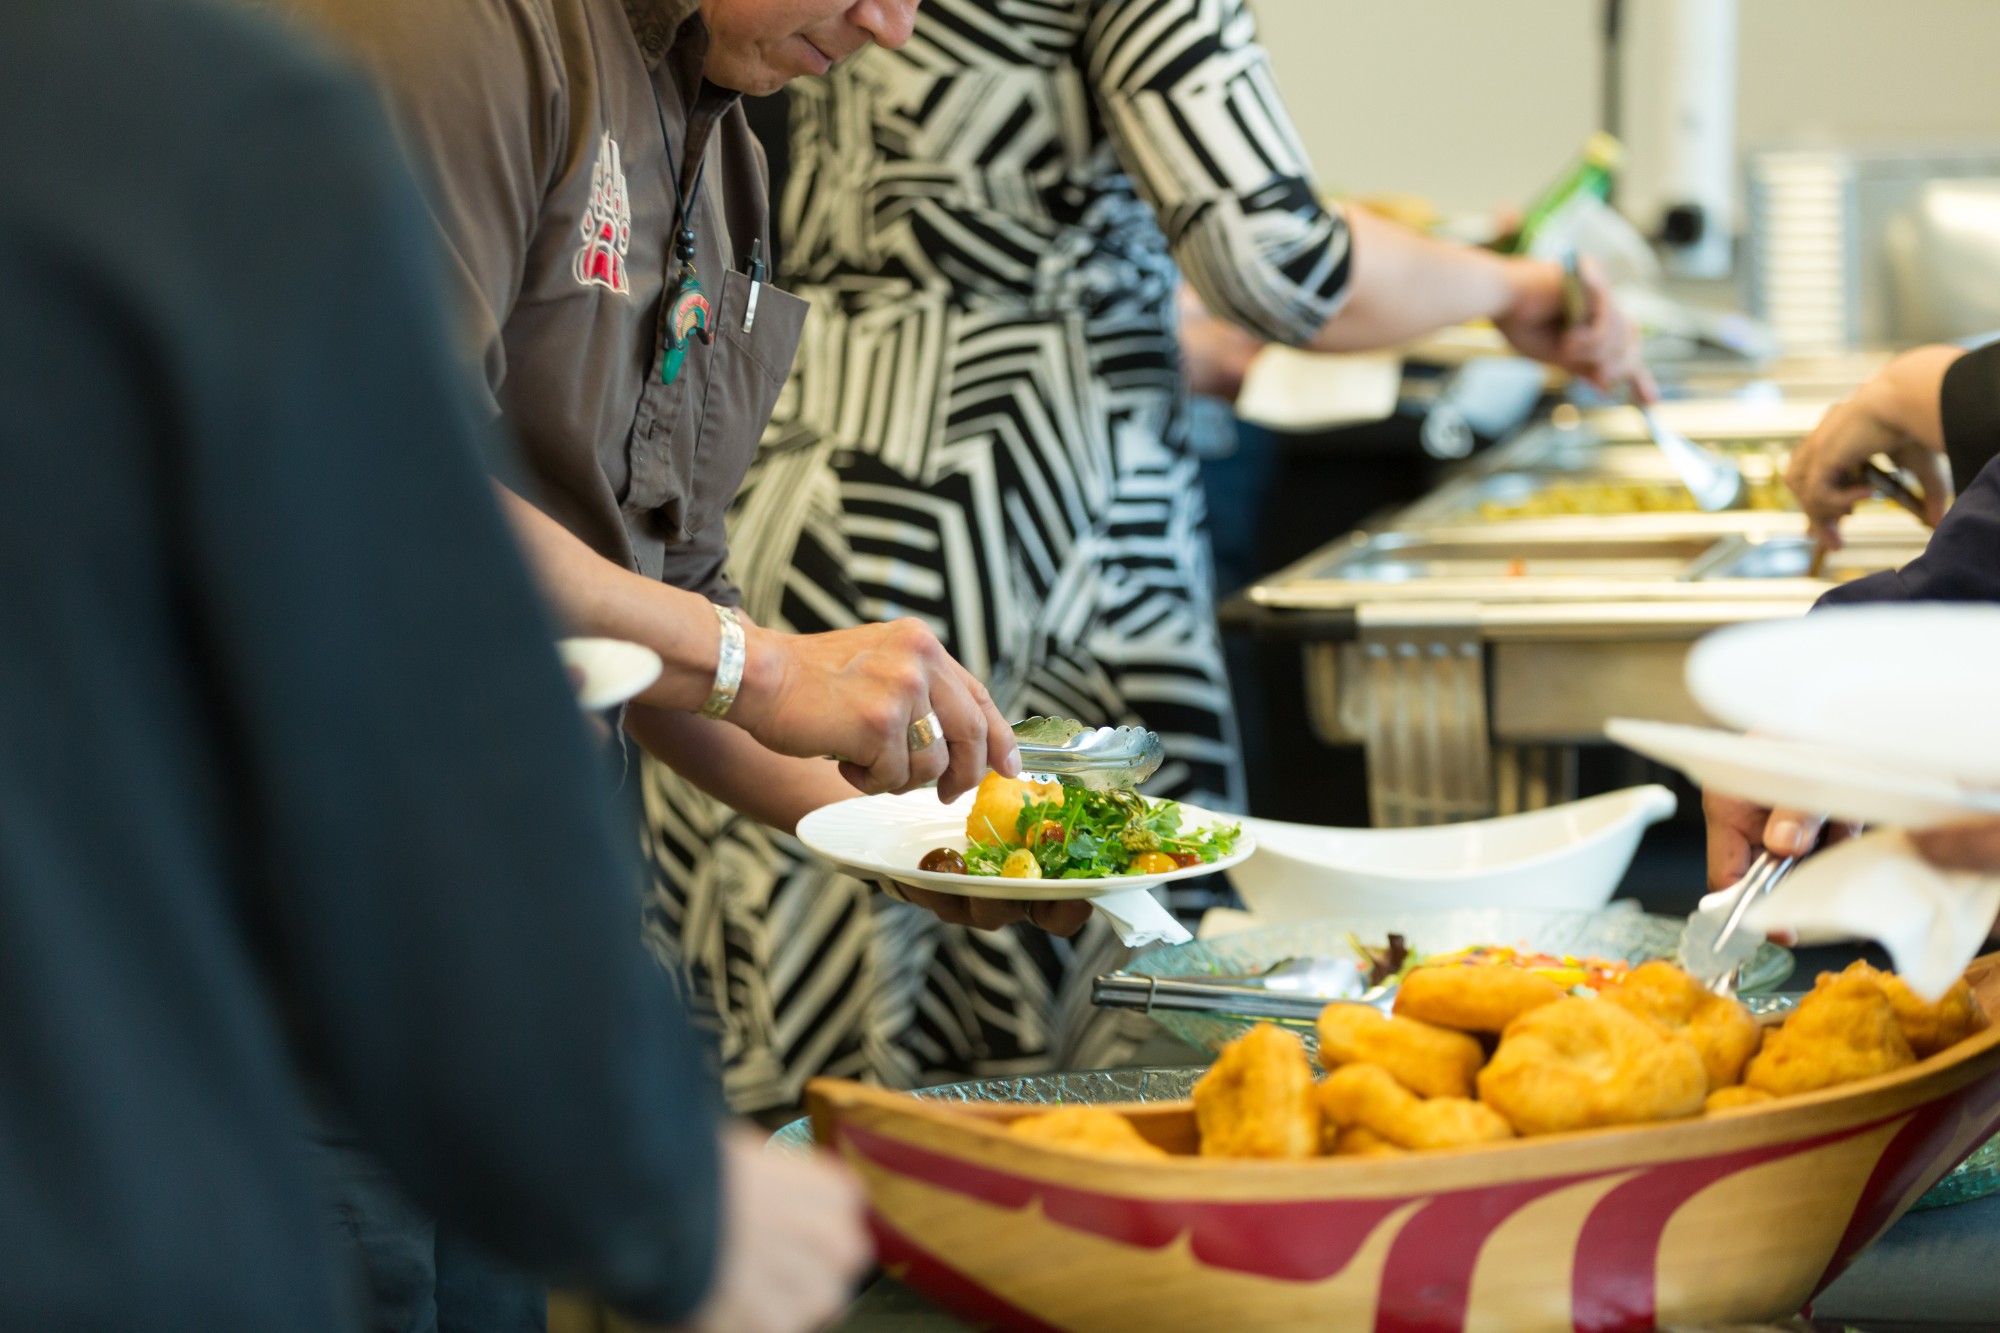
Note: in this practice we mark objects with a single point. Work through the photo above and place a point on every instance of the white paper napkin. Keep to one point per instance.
(1933, 922)
(1140, 920)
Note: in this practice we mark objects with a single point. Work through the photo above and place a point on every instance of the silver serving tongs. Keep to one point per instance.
(1101, 759)
(1292, 988)
(1706, 954)
(1715, 481)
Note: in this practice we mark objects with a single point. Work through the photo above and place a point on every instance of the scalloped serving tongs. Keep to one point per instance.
(1100, 759)
(1713, 949)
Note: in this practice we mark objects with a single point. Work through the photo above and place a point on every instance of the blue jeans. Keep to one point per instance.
(417, 1274)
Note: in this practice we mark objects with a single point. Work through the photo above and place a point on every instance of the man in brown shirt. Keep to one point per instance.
(601, 204)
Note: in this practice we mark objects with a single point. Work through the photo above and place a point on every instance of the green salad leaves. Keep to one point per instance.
(1097, 835)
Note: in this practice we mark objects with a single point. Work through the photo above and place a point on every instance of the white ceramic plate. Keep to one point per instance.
(1835, 782)
(885, 836)
(614, 671)
(1911, 685)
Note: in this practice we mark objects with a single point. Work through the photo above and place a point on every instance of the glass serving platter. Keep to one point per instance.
(1978, 1177)
(1619, 932)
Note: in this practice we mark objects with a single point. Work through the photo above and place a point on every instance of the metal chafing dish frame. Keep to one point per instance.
(1470, 695)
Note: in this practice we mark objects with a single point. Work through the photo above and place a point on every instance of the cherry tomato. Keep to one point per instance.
(1152, 863)
(1045, 832)
(1185, 859)
(943, 861)
(1021, 864)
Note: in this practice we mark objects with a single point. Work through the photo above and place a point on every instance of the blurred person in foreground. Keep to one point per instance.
(292, 792)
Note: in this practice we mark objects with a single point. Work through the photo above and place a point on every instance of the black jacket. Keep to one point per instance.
(289, 774)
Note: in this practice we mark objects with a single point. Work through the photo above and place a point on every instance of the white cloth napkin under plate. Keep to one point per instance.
(1933, 922)
(1140, 920)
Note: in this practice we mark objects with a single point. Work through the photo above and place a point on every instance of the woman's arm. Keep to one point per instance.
(1197, 122)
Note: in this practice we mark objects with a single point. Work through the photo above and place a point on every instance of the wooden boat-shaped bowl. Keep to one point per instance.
(1735, 1217)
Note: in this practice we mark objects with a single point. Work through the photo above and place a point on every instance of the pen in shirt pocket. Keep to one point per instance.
(755, 270)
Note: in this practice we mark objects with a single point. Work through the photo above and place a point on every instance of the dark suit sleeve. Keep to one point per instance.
(438, 865)
(1971, 407)
(1961, 564)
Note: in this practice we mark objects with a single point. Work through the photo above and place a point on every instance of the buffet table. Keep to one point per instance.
(1556, 581)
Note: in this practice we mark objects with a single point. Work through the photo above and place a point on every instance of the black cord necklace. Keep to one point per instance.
(688, 313)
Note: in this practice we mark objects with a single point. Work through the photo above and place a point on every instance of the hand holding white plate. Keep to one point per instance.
(1800, 776)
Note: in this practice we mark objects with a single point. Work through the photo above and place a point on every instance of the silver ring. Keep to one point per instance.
(925, 732)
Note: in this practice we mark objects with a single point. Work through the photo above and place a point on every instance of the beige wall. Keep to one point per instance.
(1477, 102)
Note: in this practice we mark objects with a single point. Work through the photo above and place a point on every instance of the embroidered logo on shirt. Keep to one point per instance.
(607, 224)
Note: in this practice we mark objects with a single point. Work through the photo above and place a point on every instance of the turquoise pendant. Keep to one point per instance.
(688, 317)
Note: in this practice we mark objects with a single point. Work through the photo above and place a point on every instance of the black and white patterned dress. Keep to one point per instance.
(985, 430)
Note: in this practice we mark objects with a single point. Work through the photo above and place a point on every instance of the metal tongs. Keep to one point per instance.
(1100, 759)
(1716, 482)
(1706, 952)
(1292, 988)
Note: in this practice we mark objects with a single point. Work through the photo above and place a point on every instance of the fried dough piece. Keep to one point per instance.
(1473, 997)
(1580, 1063)
(1090, 1129)
(1723, 1031)
(1727, 1099)
(996, 810)
(1429, 1061)
(1354, 1141)
(1846, 1029)
(1930, 1028)
(1257, 1099)
(1369, 1097)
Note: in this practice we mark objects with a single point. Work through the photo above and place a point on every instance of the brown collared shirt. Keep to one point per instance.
(549, 134)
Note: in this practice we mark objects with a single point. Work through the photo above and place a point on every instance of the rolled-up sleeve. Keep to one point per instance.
(1970, 407)
(1189, 101)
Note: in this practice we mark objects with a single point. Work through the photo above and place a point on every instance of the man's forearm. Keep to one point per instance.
(729, 764)
(591, 595)
(1908, 395)
(1405, 285)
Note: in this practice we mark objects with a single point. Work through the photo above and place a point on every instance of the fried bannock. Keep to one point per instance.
(1354, 1141)
(1723, 1031)
(1929, 1028)
(1580, 1063)
(1725, 1099)
(1429, 1061)
(996, 810)
(1090, 1129)
(1473, 997)
(1844, 1030)
(1257, 1099)
(1368, 1096)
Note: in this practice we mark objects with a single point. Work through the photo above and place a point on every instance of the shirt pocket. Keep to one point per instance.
(693, 440)
(743, 387)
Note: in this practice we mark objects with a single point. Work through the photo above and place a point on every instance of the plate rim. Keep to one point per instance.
(1019, 890)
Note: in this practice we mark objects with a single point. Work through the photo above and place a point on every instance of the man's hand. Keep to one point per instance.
(1896, 413)
(1064, 918)
(855, 693)
(1739, 829)
(1973, 845)
(1604, 351)
(793, 1243)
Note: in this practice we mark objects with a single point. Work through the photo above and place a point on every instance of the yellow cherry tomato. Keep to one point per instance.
(1152, 863)
(1021, 864)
